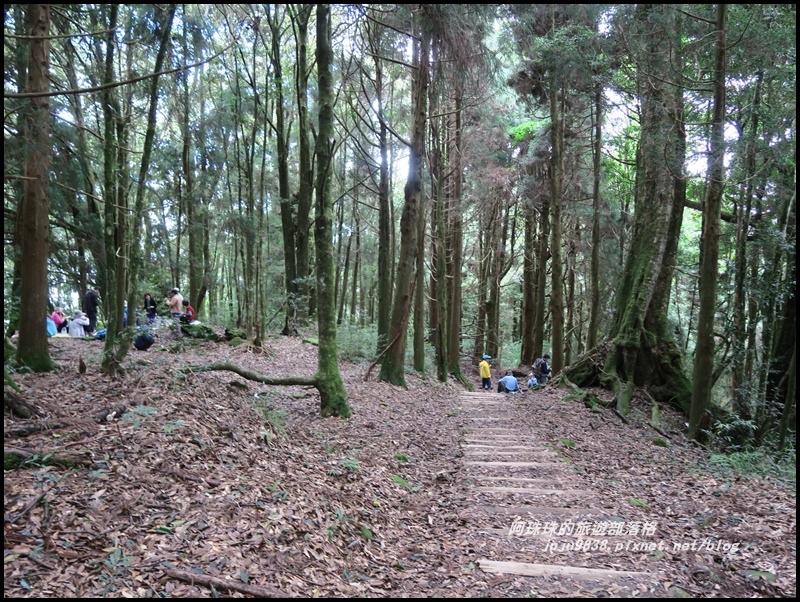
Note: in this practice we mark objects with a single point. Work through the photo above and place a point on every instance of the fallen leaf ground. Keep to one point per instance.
(230, 479)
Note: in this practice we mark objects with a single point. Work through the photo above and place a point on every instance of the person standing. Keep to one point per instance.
(91, 303)
(150, 308)
(486, 373)
(541, 369)
(175, 303)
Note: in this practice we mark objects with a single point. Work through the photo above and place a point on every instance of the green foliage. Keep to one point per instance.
(660, 442)
(567, 443)
(357, 343)
(274, 418)
(135, 415)
(401, 457)
(527, 130)
(639, 503)
(350, 464)
(757, 463)
(401, 481)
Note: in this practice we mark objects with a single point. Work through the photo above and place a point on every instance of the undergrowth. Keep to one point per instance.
(758, 463)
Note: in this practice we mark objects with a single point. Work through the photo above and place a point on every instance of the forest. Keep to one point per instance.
(361, 202)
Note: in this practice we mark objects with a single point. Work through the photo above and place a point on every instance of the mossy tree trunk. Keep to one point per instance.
(642, 350)
(333, 396)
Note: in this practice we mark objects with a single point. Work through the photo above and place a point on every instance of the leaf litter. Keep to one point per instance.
(246, 487)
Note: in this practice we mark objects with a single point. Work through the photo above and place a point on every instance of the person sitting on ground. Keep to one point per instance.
(508, 384)
(189, 314)
(541, 369)
(59, 319)
(486, 373)
(532, 382)
(78, 324)
(175, 303)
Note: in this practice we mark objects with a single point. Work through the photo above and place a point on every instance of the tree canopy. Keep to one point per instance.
(613, 185)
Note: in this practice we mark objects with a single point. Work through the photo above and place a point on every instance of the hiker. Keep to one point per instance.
(91, 302)
(541, 369)
(175, 303)
(508, 384)
(150, 308)
(486, 373)
(59, 319)
(532, 382)
(189, 316)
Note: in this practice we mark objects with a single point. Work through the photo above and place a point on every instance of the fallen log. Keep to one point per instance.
(14, 457)
(17, 405)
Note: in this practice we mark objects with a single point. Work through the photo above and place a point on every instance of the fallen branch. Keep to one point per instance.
(31, 505)
(308, 381)
(189, 477)
(208, 580)
(101, 417)
(658, 430)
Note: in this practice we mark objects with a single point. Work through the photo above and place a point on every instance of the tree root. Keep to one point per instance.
(308, 381)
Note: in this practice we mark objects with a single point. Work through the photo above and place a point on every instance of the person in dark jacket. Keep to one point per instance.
(150, 308)
(541, 369)
(91, 303)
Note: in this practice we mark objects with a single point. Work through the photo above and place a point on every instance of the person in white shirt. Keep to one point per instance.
(78, 324)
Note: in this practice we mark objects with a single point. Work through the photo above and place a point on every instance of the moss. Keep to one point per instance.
(233, 333)
(235, 342)
(199, 331)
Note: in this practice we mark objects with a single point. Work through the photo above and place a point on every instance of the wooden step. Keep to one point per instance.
(550, 570)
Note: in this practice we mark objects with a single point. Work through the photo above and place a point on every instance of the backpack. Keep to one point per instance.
(143, 342)
(537, 368)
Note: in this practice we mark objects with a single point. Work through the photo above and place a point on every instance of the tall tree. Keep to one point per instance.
(333, 397)
(35, 206)
(392, 368)
(702, 377)
(644, 352)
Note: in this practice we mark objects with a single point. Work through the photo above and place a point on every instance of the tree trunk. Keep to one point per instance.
(528, 318)
(33, 350)
(557, 91)
(306, 173)
(333, 396)
(643, 351)
(702, 377)
(454, 247)
(392, 369)
(282, 136)
(597, 149)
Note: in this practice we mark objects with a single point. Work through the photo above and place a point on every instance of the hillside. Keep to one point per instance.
(425, 492)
